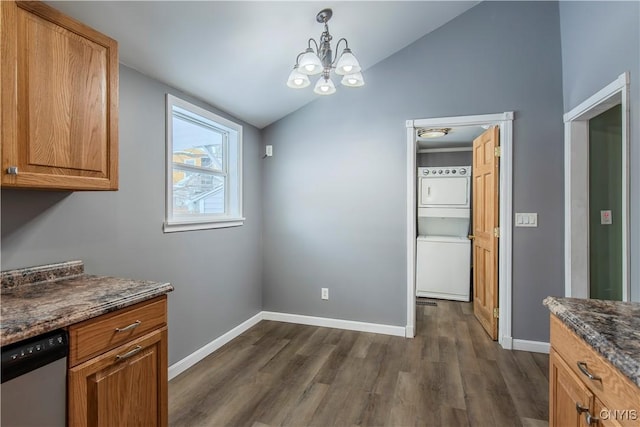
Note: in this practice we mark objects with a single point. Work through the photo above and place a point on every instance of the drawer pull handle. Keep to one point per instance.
(129, 353)
(130, 327)
(583, 368)
(580, 409)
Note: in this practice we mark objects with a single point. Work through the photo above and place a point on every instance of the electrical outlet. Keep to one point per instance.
(325, 293)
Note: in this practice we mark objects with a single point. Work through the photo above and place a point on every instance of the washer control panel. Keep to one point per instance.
(445, 171)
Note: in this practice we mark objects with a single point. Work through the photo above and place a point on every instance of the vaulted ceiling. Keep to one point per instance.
(237, 55)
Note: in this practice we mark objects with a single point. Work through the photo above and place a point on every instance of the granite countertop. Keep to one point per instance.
(611, 328)
(36, 300)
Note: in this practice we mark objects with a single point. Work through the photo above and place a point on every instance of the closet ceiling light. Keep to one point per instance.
(433, 133)
(320, 60)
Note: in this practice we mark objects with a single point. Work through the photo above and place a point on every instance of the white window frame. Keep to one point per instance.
(233, 215)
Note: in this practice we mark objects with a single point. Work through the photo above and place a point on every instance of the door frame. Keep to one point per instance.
(505, 122)
(576, 187)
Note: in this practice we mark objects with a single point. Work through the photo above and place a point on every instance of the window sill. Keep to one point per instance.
(173, 227)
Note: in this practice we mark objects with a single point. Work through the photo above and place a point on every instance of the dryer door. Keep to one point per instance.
(444, 192)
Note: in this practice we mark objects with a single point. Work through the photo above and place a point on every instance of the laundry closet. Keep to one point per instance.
(444, 213)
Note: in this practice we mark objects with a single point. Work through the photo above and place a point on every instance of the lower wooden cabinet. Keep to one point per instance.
(124, 386)
(584, 388)
(570, 401)
(608, 418)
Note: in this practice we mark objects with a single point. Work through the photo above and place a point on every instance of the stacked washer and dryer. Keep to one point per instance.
(443, 259)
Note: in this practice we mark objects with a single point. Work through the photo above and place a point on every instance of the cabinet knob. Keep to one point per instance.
(591, 420)
(580, 409)
(12, 170)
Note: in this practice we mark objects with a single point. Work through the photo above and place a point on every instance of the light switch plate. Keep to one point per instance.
(526, 219)
(268, 150)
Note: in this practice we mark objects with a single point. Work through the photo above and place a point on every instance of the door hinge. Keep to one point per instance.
(497, 151)
(496, 232)
(496, 312)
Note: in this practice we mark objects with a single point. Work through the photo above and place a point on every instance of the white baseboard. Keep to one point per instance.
(506, 342)
(532, 346)
(410, 332)
(184, 364)
(350, 325)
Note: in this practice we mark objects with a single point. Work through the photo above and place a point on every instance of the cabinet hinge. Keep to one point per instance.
(497, 151)
(496, 232)
(496, 312)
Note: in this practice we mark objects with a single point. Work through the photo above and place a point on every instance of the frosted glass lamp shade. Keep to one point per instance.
(297, 80)
(347, 64)
(324, 87)
(310, 63)
(353, 80)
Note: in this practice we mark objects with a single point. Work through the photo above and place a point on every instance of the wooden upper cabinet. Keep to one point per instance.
(59, 93)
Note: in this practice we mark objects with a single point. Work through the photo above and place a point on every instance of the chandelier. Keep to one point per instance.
(321, 61)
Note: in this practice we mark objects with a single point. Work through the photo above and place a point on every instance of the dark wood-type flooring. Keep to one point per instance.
(451, 374)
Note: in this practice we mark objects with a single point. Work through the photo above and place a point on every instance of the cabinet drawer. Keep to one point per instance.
(95, 336)
(614, 390)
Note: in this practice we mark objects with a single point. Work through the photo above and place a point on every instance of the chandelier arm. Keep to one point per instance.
(298, 58)
(333, 64)
(315, 43)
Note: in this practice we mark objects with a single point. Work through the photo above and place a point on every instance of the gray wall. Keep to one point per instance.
(216, 273)
(600, 41)
(456, 158)
(335, 191)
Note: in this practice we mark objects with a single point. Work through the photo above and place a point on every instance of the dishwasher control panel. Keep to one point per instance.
(33, 353)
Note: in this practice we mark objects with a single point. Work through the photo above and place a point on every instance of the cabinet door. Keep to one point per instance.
(569, 398)
(126, 386)
(609, 418)
(59, 101)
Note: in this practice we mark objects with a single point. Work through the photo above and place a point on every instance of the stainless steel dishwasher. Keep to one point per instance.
(34, 381)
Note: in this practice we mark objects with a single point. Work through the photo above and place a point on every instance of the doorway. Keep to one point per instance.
(504, 124)
(605, 205)
(597, 195)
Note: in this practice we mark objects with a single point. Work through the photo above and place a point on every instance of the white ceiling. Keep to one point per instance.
(236, 55)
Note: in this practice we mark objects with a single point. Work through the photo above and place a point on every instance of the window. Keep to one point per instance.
(204, 169)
